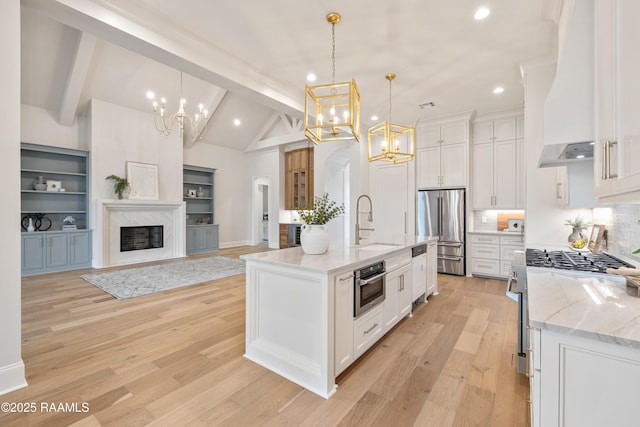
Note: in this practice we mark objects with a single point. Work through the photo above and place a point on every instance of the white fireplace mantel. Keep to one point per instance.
(113, 214)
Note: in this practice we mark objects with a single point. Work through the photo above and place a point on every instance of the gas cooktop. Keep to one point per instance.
(570, 260)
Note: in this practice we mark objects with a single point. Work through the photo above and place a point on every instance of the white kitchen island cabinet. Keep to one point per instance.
(584, 361)
(300, 311)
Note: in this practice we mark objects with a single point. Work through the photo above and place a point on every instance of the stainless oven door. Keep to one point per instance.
(368, 293)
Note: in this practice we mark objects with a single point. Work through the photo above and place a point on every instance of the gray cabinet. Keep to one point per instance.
(62, 178)
(46, 252)
(80, 249)
(199, 197)
(202, 238)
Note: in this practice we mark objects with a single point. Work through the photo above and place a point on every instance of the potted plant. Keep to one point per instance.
(578, 224)
(120, 186)
(314, 235)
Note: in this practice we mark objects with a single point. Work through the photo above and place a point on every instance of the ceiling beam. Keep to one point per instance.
(171, 47)
(294, 134)
(213, 106)
(297, 136)
(75, 80)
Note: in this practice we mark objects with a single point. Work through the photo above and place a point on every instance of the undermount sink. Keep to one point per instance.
(377, 246)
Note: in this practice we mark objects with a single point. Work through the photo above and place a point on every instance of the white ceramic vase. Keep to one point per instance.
(314, 239)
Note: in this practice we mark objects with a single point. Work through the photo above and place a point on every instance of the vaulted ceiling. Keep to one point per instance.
(249, 59)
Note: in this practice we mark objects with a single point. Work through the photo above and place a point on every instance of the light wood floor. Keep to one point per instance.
(175, 358)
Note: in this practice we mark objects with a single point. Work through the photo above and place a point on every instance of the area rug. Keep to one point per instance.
(135, 282)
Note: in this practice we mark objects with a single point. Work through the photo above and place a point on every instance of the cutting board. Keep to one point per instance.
(504, 217)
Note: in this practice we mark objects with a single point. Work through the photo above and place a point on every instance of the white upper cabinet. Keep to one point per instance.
(617, 150)
(450, 132)
(498, 164)
(494, 130)
(442, 157)
(495, 175)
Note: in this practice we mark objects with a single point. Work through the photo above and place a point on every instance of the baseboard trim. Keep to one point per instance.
(12, 378)
(235, 244)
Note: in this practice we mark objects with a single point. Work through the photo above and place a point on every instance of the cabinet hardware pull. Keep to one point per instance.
(611, 175)
(375, 325)
(604, 160)
(405, 223)
(349, 277)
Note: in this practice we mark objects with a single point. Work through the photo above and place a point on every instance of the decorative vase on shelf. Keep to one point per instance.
(30, 227)
(576, 235)
(39, 184)
(200, 193)
(314, 239)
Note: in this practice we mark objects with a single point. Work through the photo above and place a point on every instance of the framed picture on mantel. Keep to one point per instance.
(143, 178)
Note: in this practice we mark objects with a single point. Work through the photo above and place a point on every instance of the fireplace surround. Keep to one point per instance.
(112, 215)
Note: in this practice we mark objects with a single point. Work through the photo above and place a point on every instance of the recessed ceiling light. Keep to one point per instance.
(580, 156)
(236, 122)
(151, 95)
(481, 13)
(498, 90)
(374, 118)
(311, 77)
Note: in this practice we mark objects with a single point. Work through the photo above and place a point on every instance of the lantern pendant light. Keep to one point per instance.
(332, 111)
(389, 142)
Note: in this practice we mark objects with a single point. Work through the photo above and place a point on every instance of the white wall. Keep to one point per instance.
(40, 126)
(117, 135)
(232, 190)
(11, 365)
(265, 164)
(120, 134)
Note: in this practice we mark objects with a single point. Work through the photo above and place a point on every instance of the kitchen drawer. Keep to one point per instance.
(397, 261)
(367, 330)
(507, 251)
(490, 267)
(485, 238)
(485, 251)
(513, 240)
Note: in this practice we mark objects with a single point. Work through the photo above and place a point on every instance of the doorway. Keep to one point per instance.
(260, 218)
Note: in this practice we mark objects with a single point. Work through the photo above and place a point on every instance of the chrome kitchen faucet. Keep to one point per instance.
(369, 218)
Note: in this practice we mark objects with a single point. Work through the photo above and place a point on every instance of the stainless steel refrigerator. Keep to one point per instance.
(441, 213)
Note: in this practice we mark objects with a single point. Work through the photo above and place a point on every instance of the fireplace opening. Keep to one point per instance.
(141, 237)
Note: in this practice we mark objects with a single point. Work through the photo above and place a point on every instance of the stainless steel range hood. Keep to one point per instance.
(569, 107)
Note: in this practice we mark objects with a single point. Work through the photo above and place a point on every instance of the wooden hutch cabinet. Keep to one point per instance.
(299, 179)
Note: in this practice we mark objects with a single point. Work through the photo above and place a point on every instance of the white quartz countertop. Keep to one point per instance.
(496, 232)
(339, 256)
(590, 305)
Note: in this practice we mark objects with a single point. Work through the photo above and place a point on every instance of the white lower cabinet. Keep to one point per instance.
(582, 382)
(397, 301)
(354, 336)
(344, 321)
(491, 255)
(432, 268)
(367, 329)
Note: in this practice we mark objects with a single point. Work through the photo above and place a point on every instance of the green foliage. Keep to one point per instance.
(577, 222)
(119, 185)
(324, 210)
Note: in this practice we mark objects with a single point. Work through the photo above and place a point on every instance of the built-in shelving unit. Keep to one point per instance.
(199, 196)
(50, 247)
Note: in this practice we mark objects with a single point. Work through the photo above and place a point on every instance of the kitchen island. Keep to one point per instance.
(299, 309)
(585, 348)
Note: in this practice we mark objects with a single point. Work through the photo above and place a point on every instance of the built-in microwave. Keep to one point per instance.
(369, 284)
